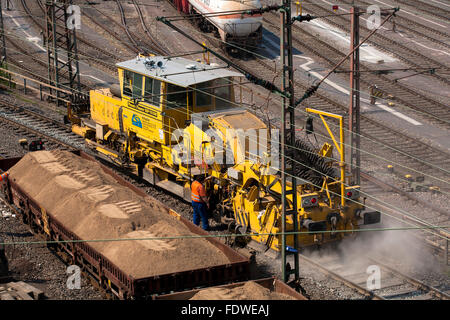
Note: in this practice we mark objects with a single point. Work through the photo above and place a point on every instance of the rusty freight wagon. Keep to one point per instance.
(87, 210)
(262, 289)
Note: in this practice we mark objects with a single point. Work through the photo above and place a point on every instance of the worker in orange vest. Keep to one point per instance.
(199, 202)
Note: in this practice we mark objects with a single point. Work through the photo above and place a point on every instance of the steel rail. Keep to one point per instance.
(367, 293)
(429, 108)
(419, 284)
(124, 23)
(79, 38)
(381, 42)
(35, 132)
(160, 49)
(402, 21)
(428, 8)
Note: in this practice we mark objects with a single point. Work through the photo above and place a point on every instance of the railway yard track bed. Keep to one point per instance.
(410, 262)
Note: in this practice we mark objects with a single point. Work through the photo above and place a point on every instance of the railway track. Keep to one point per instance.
(5, 154)
(428, 8)
(86, 85)
(414, 27)
(111, 32)
(156, 45)
(407, 288)
(32, 125)
(383, 141)
(404, 52)
(422, 105)
(435, 239)
(419, 156)
(124, 23)
(394, 285)
(408, 151)
(99, 60)
(138, 45)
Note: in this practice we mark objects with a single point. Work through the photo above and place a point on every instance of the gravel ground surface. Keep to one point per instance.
(9, 146)
(37, 265)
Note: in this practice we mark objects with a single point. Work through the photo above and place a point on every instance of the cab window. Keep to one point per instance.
(132, 84)
(176, 96)
(137, 86)
(152, 92)
(204, 94)
(222, 91)
(127, 83)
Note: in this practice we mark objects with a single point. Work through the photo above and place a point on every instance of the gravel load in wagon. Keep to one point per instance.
(262, 289)
(92, 205)
(248, 291)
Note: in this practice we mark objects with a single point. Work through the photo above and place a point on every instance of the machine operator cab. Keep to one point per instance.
(163, 93)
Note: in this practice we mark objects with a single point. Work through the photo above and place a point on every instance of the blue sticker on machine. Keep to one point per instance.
(136, 121)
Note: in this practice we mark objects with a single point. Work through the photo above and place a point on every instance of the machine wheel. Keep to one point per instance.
(241, 241)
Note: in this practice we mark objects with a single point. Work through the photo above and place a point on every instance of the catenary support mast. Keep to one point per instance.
(289, 182)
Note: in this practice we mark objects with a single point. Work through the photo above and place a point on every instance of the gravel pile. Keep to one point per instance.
(91, 204)
(249, 291)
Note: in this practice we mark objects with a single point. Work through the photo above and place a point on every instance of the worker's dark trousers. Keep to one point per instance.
(200, 213)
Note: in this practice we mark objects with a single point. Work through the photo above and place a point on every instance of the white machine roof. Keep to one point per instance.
(179, 71)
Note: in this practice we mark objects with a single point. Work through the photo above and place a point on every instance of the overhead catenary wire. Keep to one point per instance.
(198, 236)
(417, 159)
(237, 103)
(325, 89)
(362, 192)
(379, 157)
(332, 192)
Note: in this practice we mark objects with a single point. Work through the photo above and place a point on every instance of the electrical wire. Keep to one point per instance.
(353, 200)
(362, 192)
(361, 91)
(221, 99)
(405, 154)
(198, 236)
(409, 155)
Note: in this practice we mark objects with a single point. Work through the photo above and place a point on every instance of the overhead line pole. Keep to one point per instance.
(287, 150)
(311, 90)
(60, 37)
(354, 110)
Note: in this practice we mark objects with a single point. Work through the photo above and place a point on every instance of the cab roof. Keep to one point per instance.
(179, 71)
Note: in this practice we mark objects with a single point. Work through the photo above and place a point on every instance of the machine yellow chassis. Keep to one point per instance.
(138, 134)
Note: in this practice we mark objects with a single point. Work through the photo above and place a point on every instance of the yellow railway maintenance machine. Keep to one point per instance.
(172, 119)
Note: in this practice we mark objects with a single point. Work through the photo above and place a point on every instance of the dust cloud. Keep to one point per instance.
(401, 249)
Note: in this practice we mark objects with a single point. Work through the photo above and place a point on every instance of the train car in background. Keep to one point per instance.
(236, 30)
